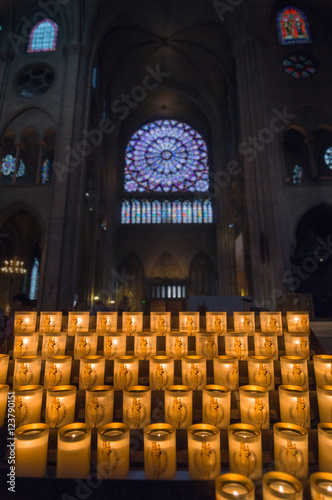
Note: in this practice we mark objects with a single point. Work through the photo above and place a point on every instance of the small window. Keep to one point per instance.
(43, 36)
(328, 157)
(293, 26)
(297, 175)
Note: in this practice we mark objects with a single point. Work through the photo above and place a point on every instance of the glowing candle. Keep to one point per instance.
(132, 322)
(207, 345)
(113, 451)
(324, 397)
(266, 345)
(189, 322)
(323, 369)
(216, 406)
(99, 403)
(291, 449)
(73, 456)
(261, 371)
(78, 322)
(160, 322)
(4, 361)
(278, 485)
(176, 345)
(229, 486)
(31, 450)
(137, 406)
(298, 321)
(159, 451)
(85, 345)
(245, 450)
(294, 371)
(114, 345)
(254, 406)
(203, 451)
(244, 322)
(50, 322)
(324, 447)
(236, 345)
(161, 372)
(271, 322)
(57, 371)
(125, 372)
(28, 404)
(25, 345)
(92, 371)
(226, 371)
(107, 322)
(216, 322)
(178, 406)
(294, 405)
(297, 345)
(194, 371)
(60, 406)
(145, 346)
(25, 322)
(321, 486)
(3, 402)
(54, 344)
(27, 370)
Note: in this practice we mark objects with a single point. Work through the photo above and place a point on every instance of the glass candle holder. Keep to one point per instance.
(203, 451)
(114, 345)
(132, 322)
(99, 404)
(266, 345)
(137, 406)
(85, 345)
(125, 372)
(194, 371)
(25, 345)
(176, 345)
(78, 322)
(279, 485)
(294, 371)
(207, 345)
(145, 346)
(28, 404)
(60, 406)
(73, 455)
(4, 388)
(244, 322)
(160, 323)
(324, 447)
(54, 344)
(226, 371)
(4, 361)
(113, 451)
(160, 451)
(271, 322)
(50, 322)
(57, 371)
(25, 322)
(27, 370)
(261, 371)
(107, 322)
(298, 321)
(31, 447)
(254, 406)
(161, 372)
(231, 486)
(236, 345)
(189, 322)
(245, 450)
(179, 406)
(216, 406)
(323, 369)
(324, 397)
(216, 322)
(291, 449)
(297, 345)
(92, 371)
(321, 486)
(294, 405)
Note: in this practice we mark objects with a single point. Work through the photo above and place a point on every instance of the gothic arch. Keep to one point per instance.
(202, 276)
(129, 284)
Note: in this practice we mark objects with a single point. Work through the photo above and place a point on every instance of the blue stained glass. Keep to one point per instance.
(34, 280)
(297, 174)
(43, 36)
(125, 212)
(46, 171)
(293, 26)
(207, 211)
(8, 166)
(166, 212)
(164, 156)
(328, 157)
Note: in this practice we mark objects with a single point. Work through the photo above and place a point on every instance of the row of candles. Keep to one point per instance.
(160, 322)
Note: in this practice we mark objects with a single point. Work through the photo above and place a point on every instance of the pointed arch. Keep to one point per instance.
(43, 36)
(202, 275)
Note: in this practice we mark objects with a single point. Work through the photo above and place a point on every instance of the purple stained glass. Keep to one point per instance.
(293, 26)
(8, 166)
(46, 171)
(164, 156)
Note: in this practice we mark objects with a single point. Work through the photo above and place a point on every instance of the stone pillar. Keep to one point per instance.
(39, 161)
(310, 142)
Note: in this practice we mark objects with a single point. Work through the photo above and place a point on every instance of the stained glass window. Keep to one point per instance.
(94, 77)
(299, 66)
(328, 157)
(43, 36)
(8, 166)
(34, 280)
(125, 212)
(166, 155)
(293, 26)
(297, 174)
(166, 212)
(46, 171)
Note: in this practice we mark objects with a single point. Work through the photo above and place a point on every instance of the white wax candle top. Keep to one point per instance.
(203, 433)
(159, 433)
(74, 434)
(282, 487)
(326, 485)
(115, 432)
(234, 489)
